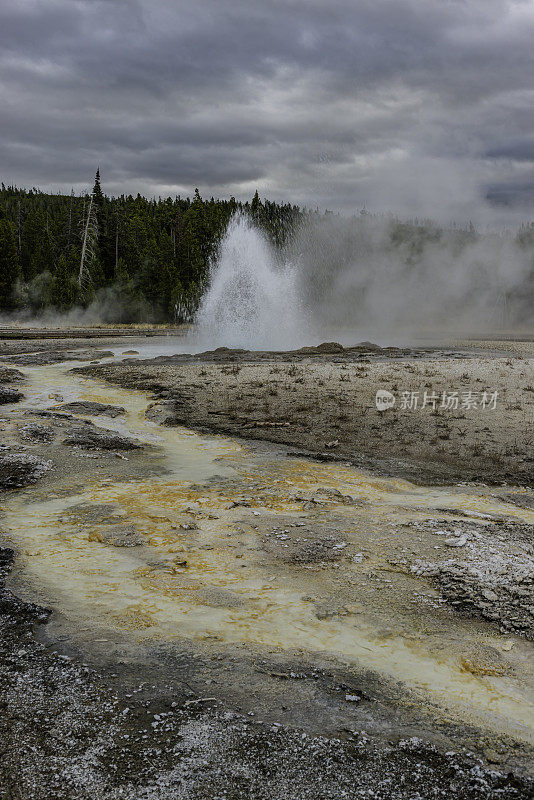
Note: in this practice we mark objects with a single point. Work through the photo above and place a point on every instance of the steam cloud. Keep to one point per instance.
(356, 278)
(383, 278)
(110, 305)
(366, 277)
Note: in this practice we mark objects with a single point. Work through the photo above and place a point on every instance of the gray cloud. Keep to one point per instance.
(420, 107)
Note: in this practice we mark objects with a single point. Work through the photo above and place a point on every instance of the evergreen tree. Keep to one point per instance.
(256, 207)
(37, 254)
(150, 278)
(9, 264)
(155, 252)
(39, 291)
(64, 286)
(106, 220)
(167, 272)
(98, 195)
(194, 249)
(122, 278)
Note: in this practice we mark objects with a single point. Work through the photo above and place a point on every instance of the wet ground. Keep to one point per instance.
(242, 605)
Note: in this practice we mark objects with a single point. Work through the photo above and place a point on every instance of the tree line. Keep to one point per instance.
(149, 257)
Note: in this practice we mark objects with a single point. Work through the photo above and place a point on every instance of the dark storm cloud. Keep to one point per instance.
(517, 194)
(517, 150)
(415, 106)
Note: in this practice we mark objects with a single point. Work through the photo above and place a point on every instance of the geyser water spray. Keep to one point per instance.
(253, 300)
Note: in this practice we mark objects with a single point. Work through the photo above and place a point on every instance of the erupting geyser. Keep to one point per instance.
(253, 300)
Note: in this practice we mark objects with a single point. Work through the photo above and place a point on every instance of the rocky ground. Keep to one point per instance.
(495, 577)
(78, 727)
(322, 401)
(68, 731)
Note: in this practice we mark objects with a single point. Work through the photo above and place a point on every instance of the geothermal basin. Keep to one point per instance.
(308, 591)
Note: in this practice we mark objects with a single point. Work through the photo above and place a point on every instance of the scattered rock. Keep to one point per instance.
(83, 355)
(494, 577)
(456, 541)
(524, 500)
(10, 375)
(20, 469)
(481, 667)
(8, 395)
(92, 438)
(336, 496)
(492, 756)
(37, 412)
(333, 443)
(326, 495)
(92, 409)
(56, 357)
(117, 536)
(36, 433)
(322, 549)
(92, 513)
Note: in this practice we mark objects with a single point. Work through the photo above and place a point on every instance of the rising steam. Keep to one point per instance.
(254, 298)
(388, 279)
(366, 277)
(347, 279)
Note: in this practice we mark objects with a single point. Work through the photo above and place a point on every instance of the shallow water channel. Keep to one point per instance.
(224, 530)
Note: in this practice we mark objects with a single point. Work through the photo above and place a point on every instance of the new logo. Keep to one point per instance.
(384, 400)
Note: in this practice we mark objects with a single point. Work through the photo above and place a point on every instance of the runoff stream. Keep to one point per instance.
(237, 544)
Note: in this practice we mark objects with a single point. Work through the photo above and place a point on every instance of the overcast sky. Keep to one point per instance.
(413, 106)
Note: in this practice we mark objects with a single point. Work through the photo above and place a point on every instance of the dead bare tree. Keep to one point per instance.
(89, 241)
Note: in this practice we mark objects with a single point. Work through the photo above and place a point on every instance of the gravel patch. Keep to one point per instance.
(21, 469)
(493, 575)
